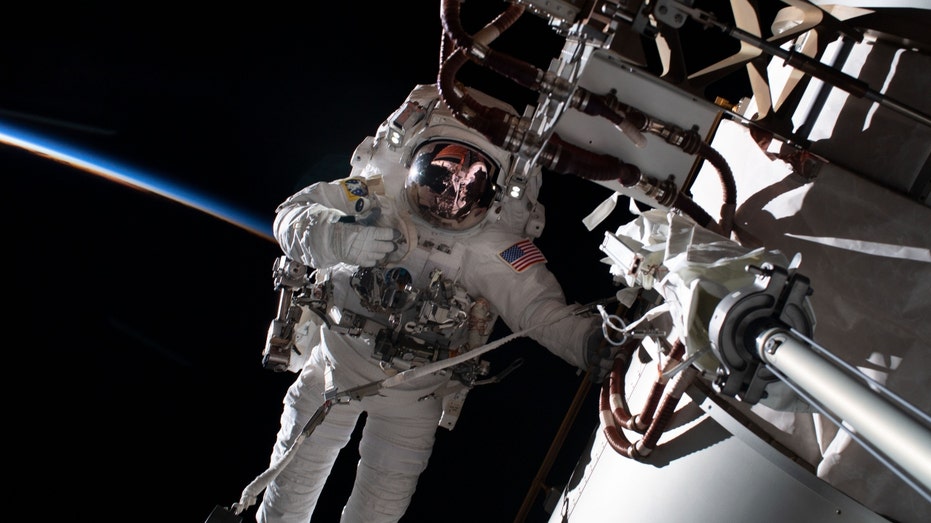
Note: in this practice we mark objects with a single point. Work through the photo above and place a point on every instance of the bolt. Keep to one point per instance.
(772, 344)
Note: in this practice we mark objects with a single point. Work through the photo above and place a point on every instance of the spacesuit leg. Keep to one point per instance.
(397, 441)
(292, 496)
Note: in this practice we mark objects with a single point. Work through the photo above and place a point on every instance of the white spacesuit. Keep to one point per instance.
(417, 253)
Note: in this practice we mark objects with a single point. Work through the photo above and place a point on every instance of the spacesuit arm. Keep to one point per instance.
(539, 301)
(322, 226)
(534, 298)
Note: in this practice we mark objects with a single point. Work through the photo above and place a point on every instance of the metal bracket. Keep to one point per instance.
(775, 299)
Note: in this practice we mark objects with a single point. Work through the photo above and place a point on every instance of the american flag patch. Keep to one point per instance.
(521, 255)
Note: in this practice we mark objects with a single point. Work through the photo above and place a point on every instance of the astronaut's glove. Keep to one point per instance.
(599, 355)
(362, 245)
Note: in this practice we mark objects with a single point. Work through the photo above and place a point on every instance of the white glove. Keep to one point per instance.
(362, 245)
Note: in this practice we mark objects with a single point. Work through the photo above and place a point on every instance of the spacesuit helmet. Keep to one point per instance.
(451, 184)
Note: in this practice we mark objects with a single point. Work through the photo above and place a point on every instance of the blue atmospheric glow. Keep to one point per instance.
(104, 167)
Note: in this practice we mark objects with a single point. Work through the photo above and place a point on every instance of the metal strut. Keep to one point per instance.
(803, 63)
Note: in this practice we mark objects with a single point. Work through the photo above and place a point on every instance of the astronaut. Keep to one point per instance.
(416, 254)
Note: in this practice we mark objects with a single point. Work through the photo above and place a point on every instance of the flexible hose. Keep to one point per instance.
(642, 421)
(452, 24)
(728, 208)
(520, 72)
(612, 432)
(563, 157)
(493, 122)
(666, 410)
(615, 413)
(697, 213)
